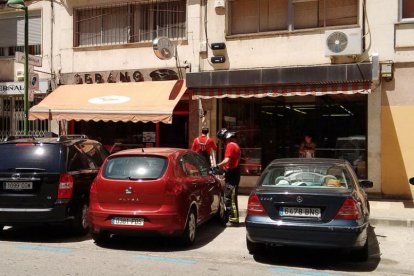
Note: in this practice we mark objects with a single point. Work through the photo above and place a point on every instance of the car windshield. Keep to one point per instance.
(135, 167)
(307, 175)
(29, 156)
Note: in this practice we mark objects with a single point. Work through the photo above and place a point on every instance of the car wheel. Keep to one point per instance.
(100, 237)
(222, 214)
(190, 231)
(80, 222)
(362, 254)
(254, 248)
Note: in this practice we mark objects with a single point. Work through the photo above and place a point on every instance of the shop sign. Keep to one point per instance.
(17, 88)
(120, 76)
(33, 60)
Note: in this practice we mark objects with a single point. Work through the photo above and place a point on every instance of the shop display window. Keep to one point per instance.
(271, 128)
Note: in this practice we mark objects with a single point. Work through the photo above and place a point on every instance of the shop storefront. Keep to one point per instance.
(12, 109)
(146, 114)
(271, 120)
(139, 108)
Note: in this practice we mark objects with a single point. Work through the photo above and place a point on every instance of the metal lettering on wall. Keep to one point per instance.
(121, 76)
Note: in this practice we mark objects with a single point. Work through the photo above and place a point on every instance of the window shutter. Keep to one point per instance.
(35, 30)
(8, 32)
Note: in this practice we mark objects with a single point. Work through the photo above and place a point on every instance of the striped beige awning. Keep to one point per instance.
(277, 91)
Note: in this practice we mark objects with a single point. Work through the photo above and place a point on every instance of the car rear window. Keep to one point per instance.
(30, 156)
(307, 176)
(135, 167)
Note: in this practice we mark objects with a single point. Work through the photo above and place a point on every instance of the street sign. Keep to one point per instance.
(33, 85)
(33, 60)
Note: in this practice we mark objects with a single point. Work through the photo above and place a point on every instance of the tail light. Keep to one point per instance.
(255, 207)
(174, 188)
(349, 210)
(65, 189)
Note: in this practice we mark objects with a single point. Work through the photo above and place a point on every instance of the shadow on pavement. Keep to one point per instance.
(206, 233)
(322, 259)
(42, 233)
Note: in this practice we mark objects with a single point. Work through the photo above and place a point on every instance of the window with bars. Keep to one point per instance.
(130, 23)
(256, 16)
(12, 33)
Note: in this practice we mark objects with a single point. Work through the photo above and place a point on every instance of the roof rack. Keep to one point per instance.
(71, 137)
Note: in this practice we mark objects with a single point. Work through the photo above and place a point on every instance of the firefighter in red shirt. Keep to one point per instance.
(204, 145)
(231, 165)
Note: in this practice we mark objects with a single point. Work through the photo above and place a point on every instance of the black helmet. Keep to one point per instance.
(224, 134)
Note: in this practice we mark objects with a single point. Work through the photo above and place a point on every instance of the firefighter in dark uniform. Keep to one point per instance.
(231, 166)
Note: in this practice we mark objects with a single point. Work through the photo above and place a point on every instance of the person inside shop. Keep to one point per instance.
(231, 166)
(307, 147)
(204, 145)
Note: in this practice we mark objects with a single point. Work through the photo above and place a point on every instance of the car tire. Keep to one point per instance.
(222, 214)
(362, 254)
(189, 235)
(80, 222)
(254, 248)
(100, 237)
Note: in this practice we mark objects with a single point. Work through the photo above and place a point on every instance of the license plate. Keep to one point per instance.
(18, 185)
(128, 221)
(300, 212)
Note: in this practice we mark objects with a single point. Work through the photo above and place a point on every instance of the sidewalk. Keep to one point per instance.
(383, 212)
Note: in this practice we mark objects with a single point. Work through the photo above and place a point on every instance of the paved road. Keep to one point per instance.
(218, 251)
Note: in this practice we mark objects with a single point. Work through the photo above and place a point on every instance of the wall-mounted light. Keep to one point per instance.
(219, 4)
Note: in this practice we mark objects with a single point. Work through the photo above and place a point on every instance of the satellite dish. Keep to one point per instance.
(163, 48)
(337, 42)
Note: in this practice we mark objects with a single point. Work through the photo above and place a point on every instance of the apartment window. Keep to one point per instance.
(128, 23)
(12, 34)
(250, 16)
(407, 9)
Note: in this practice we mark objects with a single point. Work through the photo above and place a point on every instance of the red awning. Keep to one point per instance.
(277, 91)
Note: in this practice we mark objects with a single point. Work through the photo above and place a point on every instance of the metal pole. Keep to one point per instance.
(26, 71)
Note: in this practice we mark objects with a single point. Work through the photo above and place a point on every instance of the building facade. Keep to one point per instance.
(12, 71)
(285, 70)
(273, 70)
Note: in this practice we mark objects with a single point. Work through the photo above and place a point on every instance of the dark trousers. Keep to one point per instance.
(231, 191)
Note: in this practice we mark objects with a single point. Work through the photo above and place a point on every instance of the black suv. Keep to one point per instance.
(47, 180)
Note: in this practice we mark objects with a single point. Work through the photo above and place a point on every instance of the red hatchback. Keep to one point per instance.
(154, 190)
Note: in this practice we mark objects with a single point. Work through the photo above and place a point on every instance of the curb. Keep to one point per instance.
(392, 222)
(384, 221)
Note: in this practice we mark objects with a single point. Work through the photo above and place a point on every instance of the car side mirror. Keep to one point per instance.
(411, 180)
(366, 184)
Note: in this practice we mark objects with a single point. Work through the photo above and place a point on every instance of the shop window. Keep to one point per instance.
(128, 23)
(249, 16)
(272, 128)
(12, 33)
(407, 9)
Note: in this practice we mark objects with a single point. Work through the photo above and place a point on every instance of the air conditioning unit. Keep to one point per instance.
(19, 75)
(345, 42)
